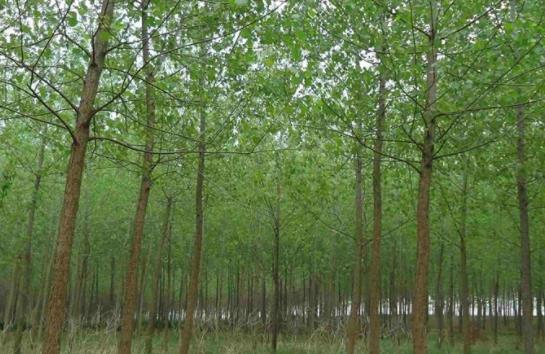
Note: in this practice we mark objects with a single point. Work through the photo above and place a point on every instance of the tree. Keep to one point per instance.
(199, 230)
(130, 291)
(85, 112)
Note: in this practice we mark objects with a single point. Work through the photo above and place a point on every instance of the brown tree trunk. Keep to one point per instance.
(393, 294)
(464, 298)
(169, 300)
(450, 312)
(375, 274)
(496, 308)
(439, 301)
(112, 283)
(420, 302)
(11, 303)
(56, 304)
(539, 313)
(522, 192)
(525, 253)
(131, 288)
(353, 325)
(153, 305)
(275, 315)
(464, 283)
(197, 242)
(263, 302)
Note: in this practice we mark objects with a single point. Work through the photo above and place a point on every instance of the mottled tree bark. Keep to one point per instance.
(192, 294)
(375, 274)
(496, 306)
(131, 287)
(525, 252)
(464, 282)
(154, 304)
(56, 304)
(275, 311)
(420, 301)
(439, 300)
(353, 325)
(9, 309)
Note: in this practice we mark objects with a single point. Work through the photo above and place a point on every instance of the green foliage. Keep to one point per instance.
(289, 91)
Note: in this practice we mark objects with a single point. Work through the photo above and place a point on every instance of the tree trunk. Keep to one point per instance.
(522, 192)
(464, 298)
(525, 252)
(496, 308)
(131, 288)
(263, 302)
(275, 320)
(11, 303)
(420, 302)
(375, 275)
(464, 284)
(353, 325)
(56, 304)
(451, 304)
(539, 313)
(112, 283)
(394, 298)
(153, 305)
(439, 301)
(197, 243)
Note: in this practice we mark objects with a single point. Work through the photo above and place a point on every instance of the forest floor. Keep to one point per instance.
(104, 342)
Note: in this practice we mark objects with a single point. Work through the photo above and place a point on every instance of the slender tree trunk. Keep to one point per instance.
(263, 302)
(464, 283)
(522, 192)
(539, 312)
(525, 253)
(153, 305)
(130, 294)
(394, 298)
(496, 308)
(275, 315)
(170, 290)
(181, 304)
(420, 302)
(112, 283)
(375, 275)
(439, 301)
(353, 325)
(11, 303)
(451, 305)
(197, 243)
(56, 305)
(464, 298)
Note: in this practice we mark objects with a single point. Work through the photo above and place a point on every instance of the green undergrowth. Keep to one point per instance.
(104, 342)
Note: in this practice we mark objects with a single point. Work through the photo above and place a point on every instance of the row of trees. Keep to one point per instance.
(309, 117)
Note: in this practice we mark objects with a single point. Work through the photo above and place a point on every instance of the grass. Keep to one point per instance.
(104, 342)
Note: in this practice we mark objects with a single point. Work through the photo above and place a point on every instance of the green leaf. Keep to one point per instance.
(72, 19)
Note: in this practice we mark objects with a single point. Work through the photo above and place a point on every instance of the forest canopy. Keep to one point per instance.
(333, 176)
